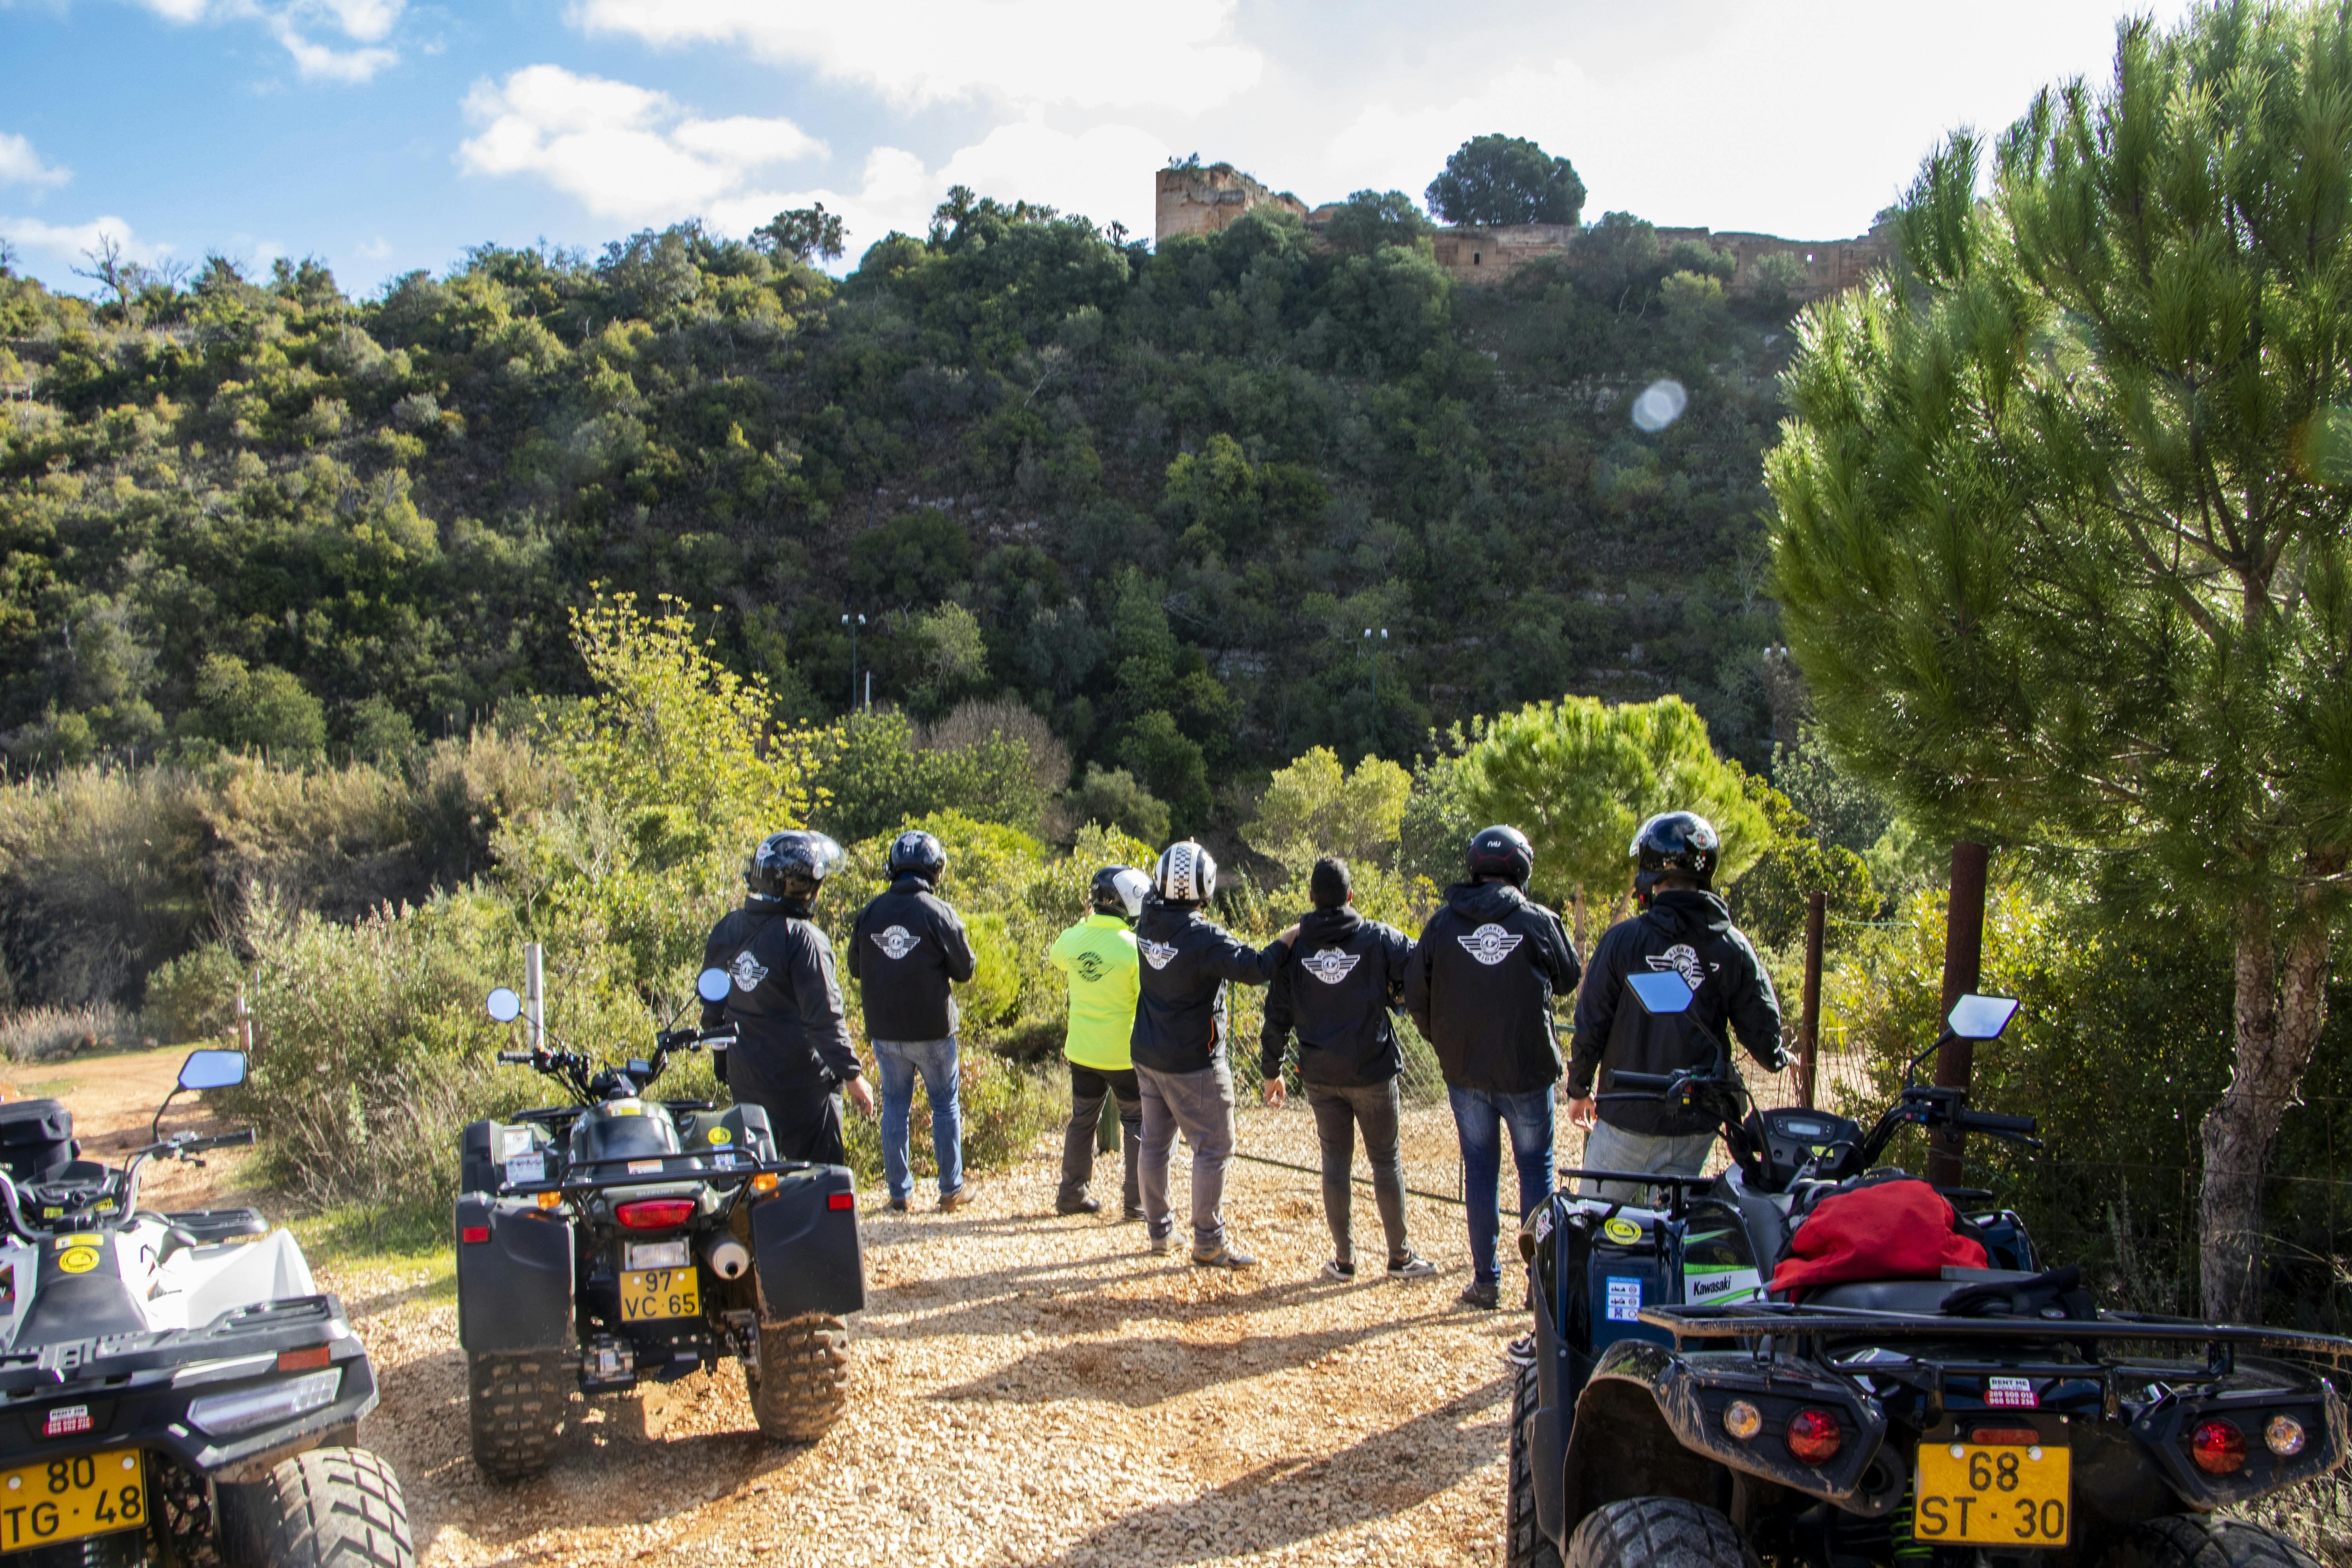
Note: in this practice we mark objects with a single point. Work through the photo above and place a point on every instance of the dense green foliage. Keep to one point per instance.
(1502, 179)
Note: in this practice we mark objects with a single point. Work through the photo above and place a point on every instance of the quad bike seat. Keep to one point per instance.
(37, 1140)
(1907, 1295)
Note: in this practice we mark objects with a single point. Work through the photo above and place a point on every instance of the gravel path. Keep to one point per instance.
(1027, 1389)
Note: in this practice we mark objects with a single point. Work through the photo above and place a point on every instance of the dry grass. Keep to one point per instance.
(49, 1034)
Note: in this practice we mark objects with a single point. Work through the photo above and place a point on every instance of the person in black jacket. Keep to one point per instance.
(792, 1049)
(1179, 1047)
(1683, 927)
(908, 951)
(1343, 976)
(1480, 988)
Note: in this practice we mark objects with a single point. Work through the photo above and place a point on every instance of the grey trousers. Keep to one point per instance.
(1612, 1147)
(1338, 1112)
(1091, 1088)
(1202, 1105)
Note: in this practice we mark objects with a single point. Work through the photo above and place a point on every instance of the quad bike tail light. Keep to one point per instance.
(2219, 1448)
(655, 1214)
(1815, 1437)
(2284, 1436)
(1742, 1420)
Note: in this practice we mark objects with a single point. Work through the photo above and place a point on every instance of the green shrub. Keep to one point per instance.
(193, 996)
(1006, 1108)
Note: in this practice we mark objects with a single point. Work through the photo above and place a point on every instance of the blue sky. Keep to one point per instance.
(387, 135)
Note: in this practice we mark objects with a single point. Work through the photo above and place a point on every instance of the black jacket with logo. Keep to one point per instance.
(907, 949)
(792, 1040)
(1690, 932)
(1342, 976)
(1481, 983)
(1186, 963)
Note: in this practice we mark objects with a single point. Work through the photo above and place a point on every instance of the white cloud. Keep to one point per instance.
(20, 165)
(68, 241)
(626, 152)
(318, 62)
(374, 249)
(292, 23)
(1178, 54)
(1106, 172)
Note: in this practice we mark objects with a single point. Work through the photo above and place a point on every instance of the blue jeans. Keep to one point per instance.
(1479, 1117)
(900, 1060)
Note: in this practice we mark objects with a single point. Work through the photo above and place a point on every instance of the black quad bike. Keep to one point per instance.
(616, 1240)
(1673, 1413)
(174, 1389)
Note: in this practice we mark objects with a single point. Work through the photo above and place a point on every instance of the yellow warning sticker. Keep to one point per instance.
(720, 1135)
(1624, 1232)
(77, 1259)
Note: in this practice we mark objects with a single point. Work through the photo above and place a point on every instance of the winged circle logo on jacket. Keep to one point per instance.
(748, 971)
(1091, 967)
(1490, 944)
(1159, 954)
(897, 940)
(1330, 965)
(1683, 959)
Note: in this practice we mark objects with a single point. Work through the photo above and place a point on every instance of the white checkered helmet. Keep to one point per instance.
(1187, 874)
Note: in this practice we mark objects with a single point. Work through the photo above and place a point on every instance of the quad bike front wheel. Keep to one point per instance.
(2206, 1541)
(330, 1508)
(514, 1403)
(801, 1383)
(1525, 1545)
(1657, 1532)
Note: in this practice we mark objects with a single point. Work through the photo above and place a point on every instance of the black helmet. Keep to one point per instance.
(1504, 852)
(1118, 890)
(792, 864)
(1681, 842)
(918, 852)
(1187, 874)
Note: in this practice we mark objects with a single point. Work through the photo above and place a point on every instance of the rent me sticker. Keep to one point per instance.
(1624, 1304)
(2011, 1393)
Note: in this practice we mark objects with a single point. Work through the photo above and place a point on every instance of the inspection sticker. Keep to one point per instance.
(1625, 1300)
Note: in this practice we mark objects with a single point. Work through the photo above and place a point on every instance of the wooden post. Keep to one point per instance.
(1963, 965)
(1809, 1044)
(242, 1032)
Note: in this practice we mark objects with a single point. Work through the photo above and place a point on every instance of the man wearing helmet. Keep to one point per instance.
(1098, 957)
(1179, 1045)
(907, 951)
(1480, 988)
(1683, 927)
(792, 1049)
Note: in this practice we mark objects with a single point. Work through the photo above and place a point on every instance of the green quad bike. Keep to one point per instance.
(1667, 1412)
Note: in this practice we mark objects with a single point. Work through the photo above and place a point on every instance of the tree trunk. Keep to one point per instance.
(2278, 1009)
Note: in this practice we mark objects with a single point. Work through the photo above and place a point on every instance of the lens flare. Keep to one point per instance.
(1661, 403)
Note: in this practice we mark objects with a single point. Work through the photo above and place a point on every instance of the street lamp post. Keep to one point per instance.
(852, 623)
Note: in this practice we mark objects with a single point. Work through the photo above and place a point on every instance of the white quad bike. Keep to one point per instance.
(175, 1388)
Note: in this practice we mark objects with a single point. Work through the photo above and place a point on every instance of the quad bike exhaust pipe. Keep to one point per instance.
(729, 1258)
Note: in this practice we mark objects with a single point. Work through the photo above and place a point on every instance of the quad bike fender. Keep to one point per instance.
(805, 1243)
(1649, 1424)
(2163, 1432)
(514, 1277)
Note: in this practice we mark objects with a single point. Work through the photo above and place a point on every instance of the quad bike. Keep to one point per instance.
(1668, 1409)
(616, 1240)
(179, 1390)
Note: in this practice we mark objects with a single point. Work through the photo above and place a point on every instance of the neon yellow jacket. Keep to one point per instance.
(1098, 955)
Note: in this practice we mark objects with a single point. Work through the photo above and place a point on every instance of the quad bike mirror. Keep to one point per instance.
(1662, 992)
(212, 1070)
(504, 1005)
(1975, 1017)
(713, 984)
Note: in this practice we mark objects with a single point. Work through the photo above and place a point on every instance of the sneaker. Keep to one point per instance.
(1485, 1295)
(1343, 1272)
(1129, 1215)
(950, 1202)
(1224, 1257)
(1521, 1351)
(1084, 1205)
(1162, 1243)
(898, 1205)
(1411, 1266)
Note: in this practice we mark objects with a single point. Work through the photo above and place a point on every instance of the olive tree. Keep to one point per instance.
(2061, 541)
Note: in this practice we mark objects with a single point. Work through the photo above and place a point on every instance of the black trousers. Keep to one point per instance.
(1089, 1086)
(807, 1126)
(1338, 1111)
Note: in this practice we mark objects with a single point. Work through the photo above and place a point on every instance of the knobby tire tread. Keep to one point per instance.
(1525, 1545)
(331, 1507)
(514, 1405)
(801, 1385)
(2208, 1540)
(1657, 1532)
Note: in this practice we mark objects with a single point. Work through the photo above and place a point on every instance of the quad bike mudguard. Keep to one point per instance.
(804, 1239)
(514, 1277)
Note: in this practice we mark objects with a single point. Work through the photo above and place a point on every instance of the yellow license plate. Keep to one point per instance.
(65, 1500)
(1988, 1494)
(648, 1293)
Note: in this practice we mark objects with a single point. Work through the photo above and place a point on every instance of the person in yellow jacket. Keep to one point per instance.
(1098, 956)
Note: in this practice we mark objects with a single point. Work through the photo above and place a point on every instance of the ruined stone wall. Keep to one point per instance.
(1196, 200)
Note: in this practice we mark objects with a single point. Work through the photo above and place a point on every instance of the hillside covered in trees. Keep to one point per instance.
(1156, 497)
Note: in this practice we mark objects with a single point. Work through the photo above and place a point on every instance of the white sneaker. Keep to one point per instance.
(1345, 1273)
(1411, 1266)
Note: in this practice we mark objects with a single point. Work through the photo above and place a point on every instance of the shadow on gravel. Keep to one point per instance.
(1286, 1501)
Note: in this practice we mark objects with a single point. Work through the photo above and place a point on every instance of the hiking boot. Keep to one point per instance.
(950, 1202)
(1411, 1266)
(1343, 1272)
(1485, 1295)
(898, 1205)
(1084, 1205)
(1224, 1257)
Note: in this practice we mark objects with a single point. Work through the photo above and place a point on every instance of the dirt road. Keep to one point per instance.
(1026, 1390)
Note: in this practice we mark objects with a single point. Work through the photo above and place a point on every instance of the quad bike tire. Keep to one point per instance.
(330, 1507)
(2206, 1541)
(800, 1384)
(1525, 1545)
(514, 1403)
(1657, 1532)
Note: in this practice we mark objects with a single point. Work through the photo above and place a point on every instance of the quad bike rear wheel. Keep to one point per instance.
(514, 1403)
(2206, 1541)
(330, 1508)
(1525, 1545)
(1657, 1532)
(801, 1383)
